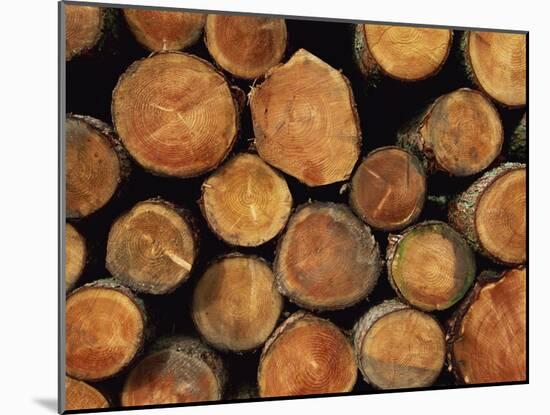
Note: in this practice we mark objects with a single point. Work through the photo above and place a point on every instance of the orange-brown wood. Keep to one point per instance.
(80, 395)
(75, 256)
(83, 27)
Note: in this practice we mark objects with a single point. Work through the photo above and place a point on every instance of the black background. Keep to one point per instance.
(382, 110)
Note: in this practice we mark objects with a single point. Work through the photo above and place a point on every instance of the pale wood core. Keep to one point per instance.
(75, 255)
(80, 395)
(83, 26)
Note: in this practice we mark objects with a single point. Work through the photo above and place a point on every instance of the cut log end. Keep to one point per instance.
(306, 355)
(152, 248)
(399, 347)
(430, 266)
(407, 53)
(246, 202)
(236, 304)
(246, 46)
(75, 256)
(305, 121)
(94, 349)
(95, 165)
(80, 395)
(175, 114)
(498, 64)
(178, 370)
(388, 189)
(327, 259)
(488, 334)
(160, 30)
(83, 28)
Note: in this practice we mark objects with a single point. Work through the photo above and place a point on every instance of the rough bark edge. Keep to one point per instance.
(95, 42)
(463, 208)
(367, 237)
(221, 169)
(101, 389)
(394, 240)
(454, 323)
(517, 147)
(213, 262)
(237, 105)
(259, 134)
(69, 287)
(125, 169)
(191, 224)
(417, 162)
(148, 329)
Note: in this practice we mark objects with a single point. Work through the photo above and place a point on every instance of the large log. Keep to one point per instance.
(305, 120)
(246, 202)
(106, 328)
(460, 133)
(492, 214)
(327, 259)
(245, 46)
(83, 28)
(399, 347)
(75, 256)
(487, 335)
(497, 64)
(388, 189)
(306, 355)
(80, 395)
(236, 304)
(430, 266)
(152, 248)
(176, 370)
(175, 114)
(158, 30)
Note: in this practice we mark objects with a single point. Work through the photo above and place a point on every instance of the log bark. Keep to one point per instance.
(75, 256)
(497, 64)
(430, 266)
(176, 370)
(517, 147)
(236, 304)
(153, 247)
(96, 165)
(83, 28)
(446, 136)
(80, 395)
(402, 53)
(492, 214)
(95, 350)
(388, 189)
(305, 121)
(158, 30)
(487, 335)
(327, 259)
(246, 202)
(175, 114)
(245, 46)
(306, 355)
(398, 347)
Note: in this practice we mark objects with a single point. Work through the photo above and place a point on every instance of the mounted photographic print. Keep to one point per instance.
(257, 207)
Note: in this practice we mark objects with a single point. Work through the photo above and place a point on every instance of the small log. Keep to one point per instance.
(236, 304)
(152, 248)
(487, 335)
(106, 327)
(245, 46)
(246, 202)
(398, 347)
(327, 259)
(430, 266)
(75, 256)
(158, 30)
(517, 147)
(175, 114)
(492, 214)
(80, 395)
(497, 64)
(96, 165)
(460, 133)
(305, 120)
(400, 52)
(306, 355)
(176, 370)
(83, 28)
(388, 189)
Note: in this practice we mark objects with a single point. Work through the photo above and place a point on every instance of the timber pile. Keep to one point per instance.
(320, 235)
